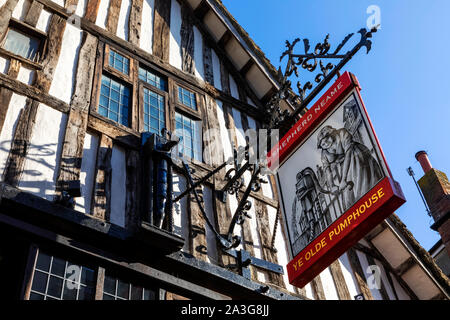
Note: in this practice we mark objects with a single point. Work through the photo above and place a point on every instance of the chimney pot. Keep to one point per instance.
(422, 157)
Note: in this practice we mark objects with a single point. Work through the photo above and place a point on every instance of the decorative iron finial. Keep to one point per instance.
(309, 60)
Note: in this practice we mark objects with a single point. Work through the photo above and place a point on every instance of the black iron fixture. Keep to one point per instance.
(411, 173)
(69, 191)
(242, 162)
(158, 152)
(278, 118)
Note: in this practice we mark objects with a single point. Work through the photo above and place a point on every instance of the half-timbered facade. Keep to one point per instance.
(80, 81)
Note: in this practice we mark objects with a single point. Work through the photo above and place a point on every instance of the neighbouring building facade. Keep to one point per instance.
(80, 82)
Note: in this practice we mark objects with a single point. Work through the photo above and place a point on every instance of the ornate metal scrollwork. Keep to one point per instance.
(309, 60)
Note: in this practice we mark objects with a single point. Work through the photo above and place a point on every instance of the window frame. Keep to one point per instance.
(178, 105)
(32, 267)
(103, 68)
(188, 115)
(148, 86)
(106, 66)
(195, 115)
(29, 31)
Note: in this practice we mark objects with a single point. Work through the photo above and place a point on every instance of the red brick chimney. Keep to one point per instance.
(436, 190)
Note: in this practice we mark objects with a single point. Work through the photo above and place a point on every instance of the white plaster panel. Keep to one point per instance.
(87, 173)
(234, 88)
(59, 2)
(364, 265)
(308, 291)
(328, 285)
(198, 54)
(4, 65)
(225, 139)
(124, 17)
(16, 105)
(216, 70)
(102, 14)
(385, 281)
(240, 136)
(258, 81)
(391, 248)
(81, 8)
(146, 41)
(44, 153)
(118, 186)
(26, 75)
(420, 283)
(44, 21)
(64, 76)
(214, 25)
(180, 211)
(255, 237)
(236, 53)
(401, 293)
(175, 36)
(226, 143)
(194, 3)
(21, 9)
(280, 246)
(349, 277)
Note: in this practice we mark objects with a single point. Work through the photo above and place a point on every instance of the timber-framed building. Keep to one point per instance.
(80, 81)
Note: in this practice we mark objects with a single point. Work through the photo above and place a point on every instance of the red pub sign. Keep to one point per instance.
(333, 180)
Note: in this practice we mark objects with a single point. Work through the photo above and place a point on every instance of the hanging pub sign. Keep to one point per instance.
(333, 180)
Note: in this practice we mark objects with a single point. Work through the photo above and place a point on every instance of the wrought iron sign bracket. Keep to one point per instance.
(245, 260)
(278, 118)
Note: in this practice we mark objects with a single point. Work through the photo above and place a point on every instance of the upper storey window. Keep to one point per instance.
(22, 44)
(153, 79)
(187, 98)
(119, 62)
(114, 100)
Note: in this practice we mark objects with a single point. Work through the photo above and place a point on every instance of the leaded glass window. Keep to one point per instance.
(118, 289)
(154, 111)
(57, 279)
(114, 100)
(189, 131)
(119, 62)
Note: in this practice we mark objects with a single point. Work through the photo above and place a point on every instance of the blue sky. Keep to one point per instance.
(404, 78)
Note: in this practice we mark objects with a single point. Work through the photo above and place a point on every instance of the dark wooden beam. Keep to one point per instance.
(6, 93)
(102, 190)
(33, 13)
(358, 272)
(134, 23)
(91, 10)
(5, 15)
(224, 39)
(405, 266)
(339, 281)
(265, 99)
(187, 41)
(113, 16)
(161, 29)
(247, 66)
(201, 10)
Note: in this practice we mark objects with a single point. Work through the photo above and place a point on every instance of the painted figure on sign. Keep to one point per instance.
(349, 167)
(308, 213)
